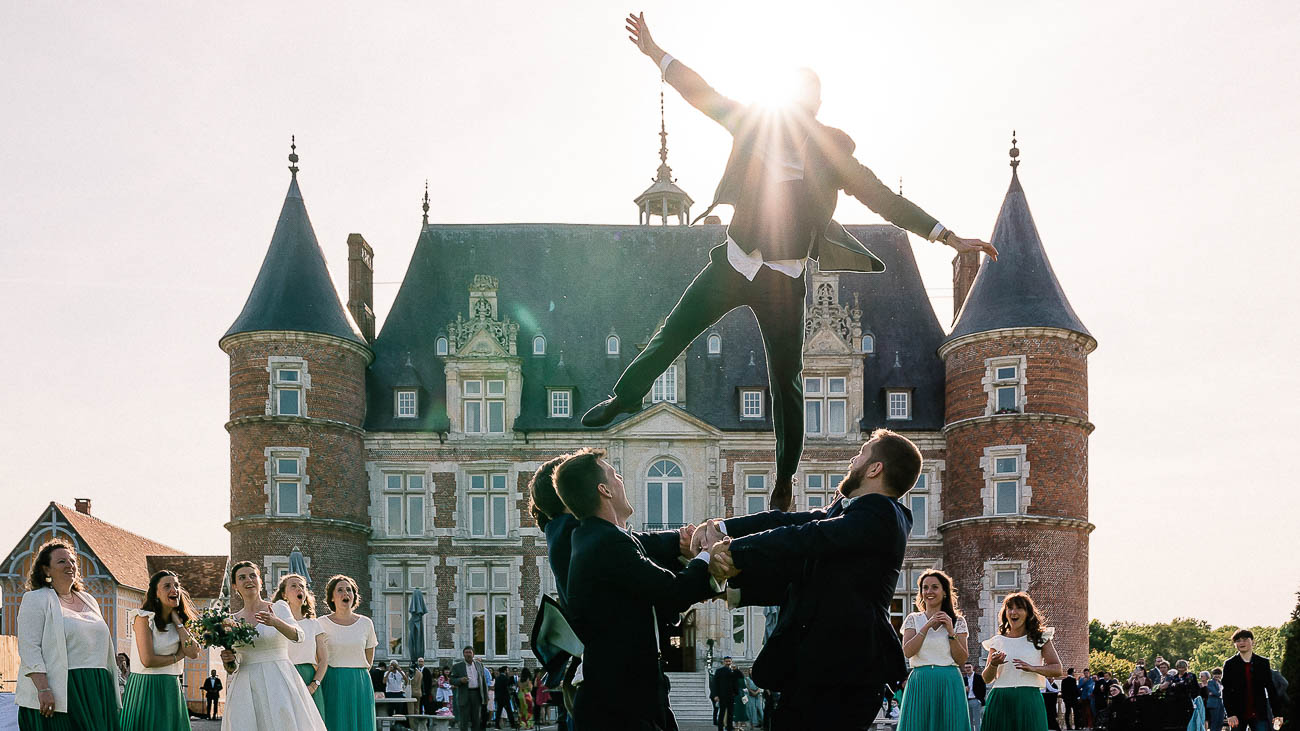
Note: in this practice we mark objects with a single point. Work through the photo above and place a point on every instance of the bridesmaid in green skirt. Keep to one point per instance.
(307, 655)
(934, 641)
(1020, 656)
(159, 644)
(67, 673)
(350, 646)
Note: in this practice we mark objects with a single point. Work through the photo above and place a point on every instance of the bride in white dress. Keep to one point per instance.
(265, 692)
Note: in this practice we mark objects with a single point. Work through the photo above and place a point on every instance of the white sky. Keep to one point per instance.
(142, 166)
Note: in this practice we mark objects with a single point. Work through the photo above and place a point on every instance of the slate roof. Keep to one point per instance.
(122, 553)
(293, 290)
(202, 576)
(575, 284)
(1019, 289)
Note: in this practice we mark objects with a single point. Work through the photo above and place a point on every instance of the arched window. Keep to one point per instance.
(715, 344)
(442, 345)
(539, 345)
(868, 343)
(611, 345)
(664, 487)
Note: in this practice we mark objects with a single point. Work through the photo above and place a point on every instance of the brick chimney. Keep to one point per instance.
(82, 504)
(361, 285)
(964, 268)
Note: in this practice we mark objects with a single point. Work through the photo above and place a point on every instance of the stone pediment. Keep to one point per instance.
(663, 420)
(827, 342)
(482, 344)
(826, 316)
(485, 334)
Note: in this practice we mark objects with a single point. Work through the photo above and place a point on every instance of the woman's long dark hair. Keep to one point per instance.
(1034, 620)
(949, 605)
(184, 610)
(38, 577)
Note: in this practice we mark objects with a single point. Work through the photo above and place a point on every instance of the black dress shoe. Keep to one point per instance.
(606, 411)
(782, 495)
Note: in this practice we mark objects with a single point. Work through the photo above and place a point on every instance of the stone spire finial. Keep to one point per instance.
(665, 173)
(293, 156)
(1014, 152)
(426, 201)
(900, 186)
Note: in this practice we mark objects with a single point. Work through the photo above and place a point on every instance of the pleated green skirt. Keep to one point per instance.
(154, 703)
(1014, 709)
(934, 699)
(308, 673)
(92, 705)
(349, 699)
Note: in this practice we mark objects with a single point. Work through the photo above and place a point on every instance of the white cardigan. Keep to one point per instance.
(43, 649)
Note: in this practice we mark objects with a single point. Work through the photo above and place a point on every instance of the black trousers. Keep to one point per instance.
(840, 707)
(210, 705)
(726, 712)
(777, 301)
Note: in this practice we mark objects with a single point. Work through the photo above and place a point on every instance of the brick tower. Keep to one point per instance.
(297, 402)
(1016, 424)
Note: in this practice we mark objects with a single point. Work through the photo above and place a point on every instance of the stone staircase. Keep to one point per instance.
(689, 697)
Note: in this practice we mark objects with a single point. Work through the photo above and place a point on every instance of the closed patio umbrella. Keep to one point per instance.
(415, 625)
(298, 565)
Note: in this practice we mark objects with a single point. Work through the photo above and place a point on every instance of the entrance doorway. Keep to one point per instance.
(679, 645)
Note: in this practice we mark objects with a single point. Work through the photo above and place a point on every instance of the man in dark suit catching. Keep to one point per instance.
(783, 180)
(840, 567)
(619, 593)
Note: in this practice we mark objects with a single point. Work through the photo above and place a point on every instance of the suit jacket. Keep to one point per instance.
(616, 589)
(978, 686)
(799, 210)
(559, 539)
(1234, 685)
(211, 687)
(1070, 689)
(461, 699)
(837, 608)
(727, 683)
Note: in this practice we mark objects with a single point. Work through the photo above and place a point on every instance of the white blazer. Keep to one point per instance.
(43, 649)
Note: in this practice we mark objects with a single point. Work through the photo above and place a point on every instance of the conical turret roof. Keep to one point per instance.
(1019, 289)
(293, 291)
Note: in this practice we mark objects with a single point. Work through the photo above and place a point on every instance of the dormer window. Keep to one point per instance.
(561, 403)
(715, 344)
(407, 406)
(485, 406)
(539, 345)
(611, 345)
(868, 343)
(441, 345)
(899, 404)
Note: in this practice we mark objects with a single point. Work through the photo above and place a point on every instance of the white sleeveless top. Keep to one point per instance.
(934, 649)
(167, 642)
(86, 637)
(347, 645)
(304, 651)
(1018, 648)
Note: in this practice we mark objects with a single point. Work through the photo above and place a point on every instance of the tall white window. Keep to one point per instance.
(400, 582)
(825, 405)
(1006, 485)
(488, 499)
(664, 489)
(755, 493)
(287, 469)
(407, 404)
(611, 345)
(819, 488)
(715, 344)
(900, 405)
(488, 597)
(1006, 580)
(918, 500)
(485, 406)
(404, 500)
(904, 596)
(665, 388)
(441, 345)
(1004, 381)
(288, 384)
(561, 403)
(751, 403)
(539, 345)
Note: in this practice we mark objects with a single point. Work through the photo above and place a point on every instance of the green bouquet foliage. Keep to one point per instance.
(214, 627)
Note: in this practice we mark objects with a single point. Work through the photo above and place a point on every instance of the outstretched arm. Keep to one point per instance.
(689, 84)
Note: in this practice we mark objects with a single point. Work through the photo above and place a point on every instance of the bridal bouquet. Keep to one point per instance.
(215, 628)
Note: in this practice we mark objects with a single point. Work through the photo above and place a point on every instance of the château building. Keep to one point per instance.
(400, 453)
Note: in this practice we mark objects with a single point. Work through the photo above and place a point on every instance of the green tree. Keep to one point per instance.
(1101, 660)
(1290, 665)
(1133, 642)
(1099, 636)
